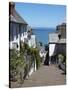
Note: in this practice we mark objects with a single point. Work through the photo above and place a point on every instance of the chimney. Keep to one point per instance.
(11, 7)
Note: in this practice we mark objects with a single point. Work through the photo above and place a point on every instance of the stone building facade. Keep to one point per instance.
(57, 42)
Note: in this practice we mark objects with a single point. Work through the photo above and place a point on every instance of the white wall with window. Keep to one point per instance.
(23, 29)
(18, 32)
(14, 36)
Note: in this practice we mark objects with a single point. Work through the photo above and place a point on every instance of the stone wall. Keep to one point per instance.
(61, 48)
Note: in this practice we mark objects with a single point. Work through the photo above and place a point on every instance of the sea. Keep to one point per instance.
(42, 34)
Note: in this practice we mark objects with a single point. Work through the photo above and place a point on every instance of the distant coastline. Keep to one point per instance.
(42, 33)
(43, 28)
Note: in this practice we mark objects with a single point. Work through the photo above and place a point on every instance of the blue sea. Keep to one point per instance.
(42, 34)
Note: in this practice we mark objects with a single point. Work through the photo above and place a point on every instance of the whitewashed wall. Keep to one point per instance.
(15, 36)
(32, 41)
(51, 49)
(53, 38)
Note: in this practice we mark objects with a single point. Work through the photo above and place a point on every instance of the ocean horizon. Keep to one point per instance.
(42, 34)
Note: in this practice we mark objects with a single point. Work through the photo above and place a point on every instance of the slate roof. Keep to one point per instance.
(16, 18)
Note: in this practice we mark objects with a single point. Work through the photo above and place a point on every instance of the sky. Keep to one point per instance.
(41, 15)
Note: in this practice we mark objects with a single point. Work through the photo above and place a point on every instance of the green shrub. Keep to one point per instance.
(62, 58)
(22, 47)
(16, 61)
(35, 53)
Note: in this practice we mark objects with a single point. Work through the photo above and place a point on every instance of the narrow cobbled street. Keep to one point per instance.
(46, 75)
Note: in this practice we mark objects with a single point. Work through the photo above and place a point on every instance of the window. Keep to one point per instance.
(17, 30)
(10, 31)
(14, 31)
(20, 29)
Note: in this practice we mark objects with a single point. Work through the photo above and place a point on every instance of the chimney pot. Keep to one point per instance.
(11, 7)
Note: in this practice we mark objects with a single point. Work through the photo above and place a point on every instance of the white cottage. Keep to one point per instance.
(17, 27)
(18, 30)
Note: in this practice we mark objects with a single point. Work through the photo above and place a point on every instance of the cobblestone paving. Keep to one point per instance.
(45, 76)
